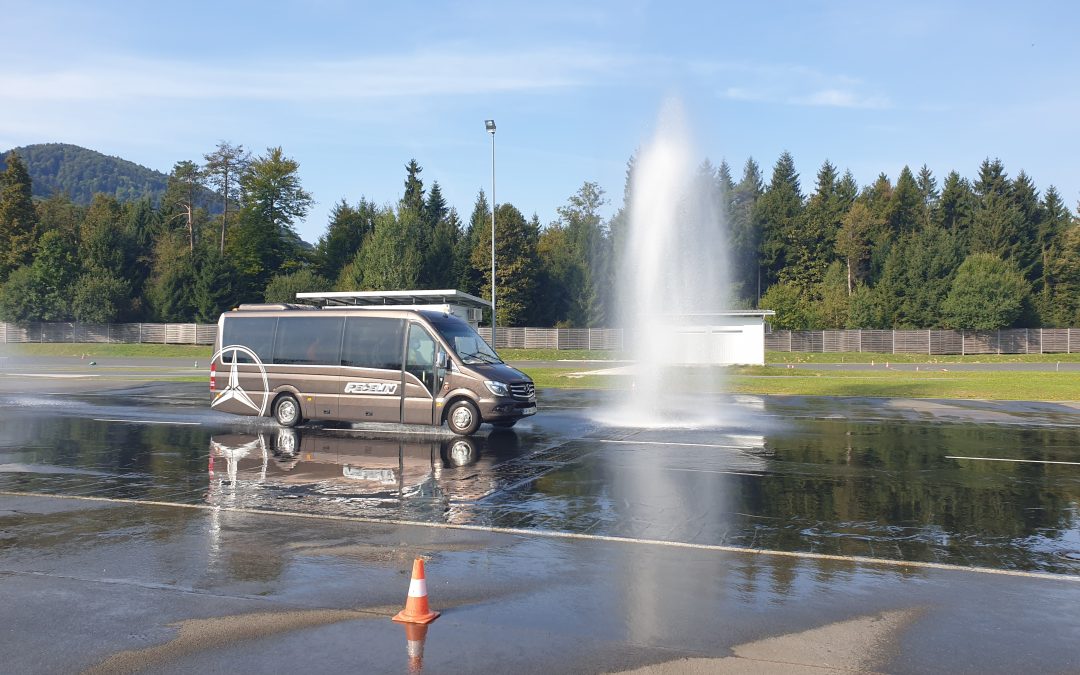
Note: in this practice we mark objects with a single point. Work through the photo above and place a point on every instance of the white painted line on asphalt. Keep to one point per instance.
(998, 459)
(733, 473)
(188, 424)
(682, 445)
(54, 376)
(556, 534)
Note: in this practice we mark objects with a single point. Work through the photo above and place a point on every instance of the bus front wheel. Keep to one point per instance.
(463, 418)
(287, 411)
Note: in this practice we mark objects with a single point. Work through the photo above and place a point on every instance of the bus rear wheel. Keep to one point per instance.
(463, 418)
(287, 411)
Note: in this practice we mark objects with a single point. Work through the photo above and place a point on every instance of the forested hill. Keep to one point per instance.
(81, 173)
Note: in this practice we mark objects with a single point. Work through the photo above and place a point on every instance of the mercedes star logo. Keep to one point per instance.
(233, 391)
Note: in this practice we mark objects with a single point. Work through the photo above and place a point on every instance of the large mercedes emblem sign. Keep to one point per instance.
(233, 391)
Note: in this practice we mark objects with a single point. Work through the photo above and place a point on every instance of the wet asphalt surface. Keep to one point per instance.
(140, 530)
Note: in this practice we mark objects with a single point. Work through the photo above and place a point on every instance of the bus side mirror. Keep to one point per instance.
(444, 360)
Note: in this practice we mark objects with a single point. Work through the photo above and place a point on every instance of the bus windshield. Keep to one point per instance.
(466, 342)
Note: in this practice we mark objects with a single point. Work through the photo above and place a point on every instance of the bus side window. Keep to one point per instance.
(372, 342)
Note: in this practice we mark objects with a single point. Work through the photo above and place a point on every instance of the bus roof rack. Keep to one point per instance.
(270, 306)
(391, 298)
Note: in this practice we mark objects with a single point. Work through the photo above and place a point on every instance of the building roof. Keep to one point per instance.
(391, 298)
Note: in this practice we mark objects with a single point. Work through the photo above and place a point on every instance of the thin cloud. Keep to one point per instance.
(789, 85)
(419, 74)
(841, 98)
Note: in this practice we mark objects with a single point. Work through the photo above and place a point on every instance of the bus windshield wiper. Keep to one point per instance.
(483, 358)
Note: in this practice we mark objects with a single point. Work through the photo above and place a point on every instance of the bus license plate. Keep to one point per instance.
(531, 410)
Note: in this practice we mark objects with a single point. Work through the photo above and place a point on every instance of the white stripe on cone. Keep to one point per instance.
(418, 588)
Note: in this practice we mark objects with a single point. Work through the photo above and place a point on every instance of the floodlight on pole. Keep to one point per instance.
(490, 126)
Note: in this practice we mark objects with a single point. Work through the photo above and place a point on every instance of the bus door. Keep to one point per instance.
(371, 360)
(420, 376)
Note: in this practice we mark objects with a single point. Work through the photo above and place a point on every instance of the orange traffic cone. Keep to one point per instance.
(416, 605)
(415, 635)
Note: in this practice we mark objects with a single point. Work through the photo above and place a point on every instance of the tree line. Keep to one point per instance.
(986, 253)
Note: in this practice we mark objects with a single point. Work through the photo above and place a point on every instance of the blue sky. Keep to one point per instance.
(353, 90)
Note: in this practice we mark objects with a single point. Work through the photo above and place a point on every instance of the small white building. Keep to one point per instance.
(735, 337)
(468, 308)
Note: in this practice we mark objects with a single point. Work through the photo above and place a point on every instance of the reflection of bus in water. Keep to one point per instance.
(344, 464)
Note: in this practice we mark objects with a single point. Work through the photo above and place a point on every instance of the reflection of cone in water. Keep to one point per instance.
(415, 635)
(416, 605)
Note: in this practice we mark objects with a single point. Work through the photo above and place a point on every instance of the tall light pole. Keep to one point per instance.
(490, 126)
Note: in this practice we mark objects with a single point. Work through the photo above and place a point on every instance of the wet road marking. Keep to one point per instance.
(56, 376)
(682, 445)
(187, 424)
(733, 473)
(998, 459)
(557, 534)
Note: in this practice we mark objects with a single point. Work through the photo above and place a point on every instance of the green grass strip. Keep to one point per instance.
(937, 383)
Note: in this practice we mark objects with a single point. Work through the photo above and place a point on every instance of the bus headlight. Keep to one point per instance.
(498, 388)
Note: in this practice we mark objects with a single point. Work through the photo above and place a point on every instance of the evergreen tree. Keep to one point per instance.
(956, 208)
(992, 179)
(745, 235)
(917, 278)
(878, 198)
(727, 189)
(582, 276)
(172, 284)
(104, 242)
(906, 210)
(345, 233)
(928, 196)
(779, 212)
(141, 227)
(559, 277)
(18, 217)
(1060, 305)
(810, 248)
(1052, 227)
(1025, 245)
(435, 208)
(442, 255)
(440, 238)
(999, 226)
(223, 169)
(471, 278)
(180, 201)
(389, 259)
(619, 225)
(515, 263)
(847, 190)
(414, 188)
(215, 288)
